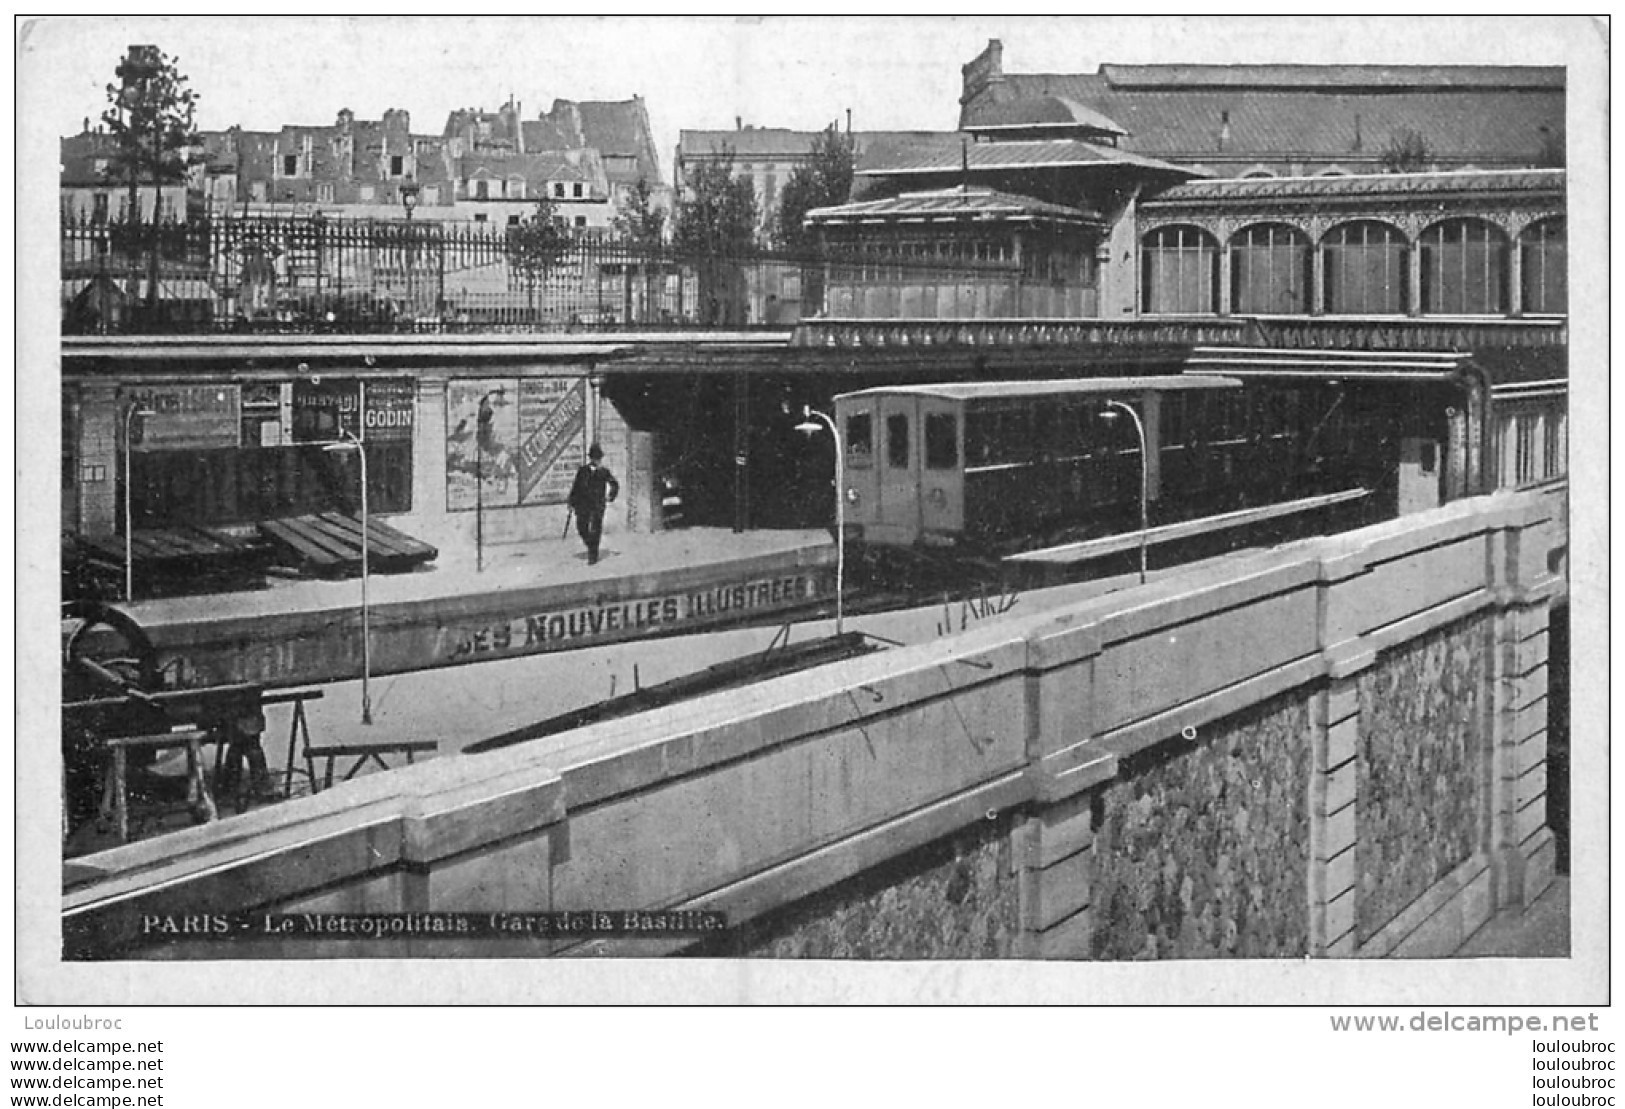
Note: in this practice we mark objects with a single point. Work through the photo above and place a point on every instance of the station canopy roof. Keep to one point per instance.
(953, 205)
(1044, 112)
(952, 154)
(1019, 390)
(1475, 182)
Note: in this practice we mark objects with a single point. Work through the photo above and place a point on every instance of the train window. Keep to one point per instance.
(1042, 443)
(941, 441)
(860, 439)
(1173, 419)
(897, 441)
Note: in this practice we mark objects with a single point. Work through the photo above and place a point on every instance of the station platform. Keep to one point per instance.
(535, 597)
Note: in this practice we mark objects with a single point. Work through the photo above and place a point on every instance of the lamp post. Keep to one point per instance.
(129, 513)
(1109, 414)
(809, 427)
(349, 442)
(481, 429)
(409, 201)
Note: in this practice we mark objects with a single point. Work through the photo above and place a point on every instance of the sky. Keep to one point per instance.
(696, 72)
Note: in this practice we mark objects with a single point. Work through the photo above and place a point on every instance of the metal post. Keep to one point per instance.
(1145, 474)
(348, 442)
(840, 509)
(129, 495)
(479, 498)
(366, 577)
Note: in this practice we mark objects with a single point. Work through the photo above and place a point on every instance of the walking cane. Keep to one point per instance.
(568, 512)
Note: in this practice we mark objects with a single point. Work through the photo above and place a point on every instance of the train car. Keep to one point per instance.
(945, 464)
(1008, 465)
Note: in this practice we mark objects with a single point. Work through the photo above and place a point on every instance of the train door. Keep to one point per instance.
(857, 417)
(942, 476)
(897, 513)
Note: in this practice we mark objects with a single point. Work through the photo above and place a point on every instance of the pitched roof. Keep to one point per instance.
(1045, 111)
(952, 205)
(954, 153)
(617, 129)
(1310, 112)
(620, 128)
(1432, 77)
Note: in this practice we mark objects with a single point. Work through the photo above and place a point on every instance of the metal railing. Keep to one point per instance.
(314, 274)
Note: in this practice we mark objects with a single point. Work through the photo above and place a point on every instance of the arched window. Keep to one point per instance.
(1544, 247)
(1179, 272)
(1464, 269)
(1365, 270)
(1269, 271)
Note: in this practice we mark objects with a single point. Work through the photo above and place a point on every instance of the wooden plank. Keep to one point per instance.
(417, 547)
(152, 545)
(351, 531)
(315, 528)
(185, 546)
(390, 542)
(303, 549)
(319, 538)
(1168, 533)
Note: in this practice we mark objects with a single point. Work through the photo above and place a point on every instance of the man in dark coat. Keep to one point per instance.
(594, 488)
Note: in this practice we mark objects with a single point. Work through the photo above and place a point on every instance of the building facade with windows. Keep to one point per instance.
(585, 157)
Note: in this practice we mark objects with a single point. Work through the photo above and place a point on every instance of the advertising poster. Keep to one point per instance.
(187, 417)
(552, 417)
(389, 408)
(489, 450)
(322, 408)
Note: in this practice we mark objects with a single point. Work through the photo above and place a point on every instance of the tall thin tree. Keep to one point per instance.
(151, 116)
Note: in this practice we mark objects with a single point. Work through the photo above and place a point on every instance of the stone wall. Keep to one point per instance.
(1201, 846)
(957, 898)
(1420, 803)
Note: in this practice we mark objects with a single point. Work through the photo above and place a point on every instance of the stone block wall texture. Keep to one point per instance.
(955, 898)
(1419, 803)
(1202, 846)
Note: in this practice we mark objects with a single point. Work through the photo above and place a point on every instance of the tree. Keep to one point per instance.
(1407, 153)
(716, 226)
(640, 222)
(151, 118)
(535, 244)
(719, 214)
(824, 179)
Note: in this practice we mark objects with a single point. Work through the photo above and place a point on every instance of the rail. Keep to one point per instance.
(1168, 533)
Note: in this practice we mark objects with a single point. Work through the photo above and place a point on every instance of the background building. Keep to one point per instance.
(769, 155)
(492, 167)
(1291, 120)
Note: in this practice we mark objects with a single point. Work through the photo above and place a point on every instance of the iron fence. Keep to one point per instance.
(311, 274)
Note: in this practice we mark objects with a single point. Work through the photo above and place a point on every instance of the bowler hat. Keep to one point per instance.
(595, 452)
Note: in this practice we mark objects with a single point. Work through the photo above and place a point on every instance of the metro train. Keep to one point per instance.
(997, 466)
